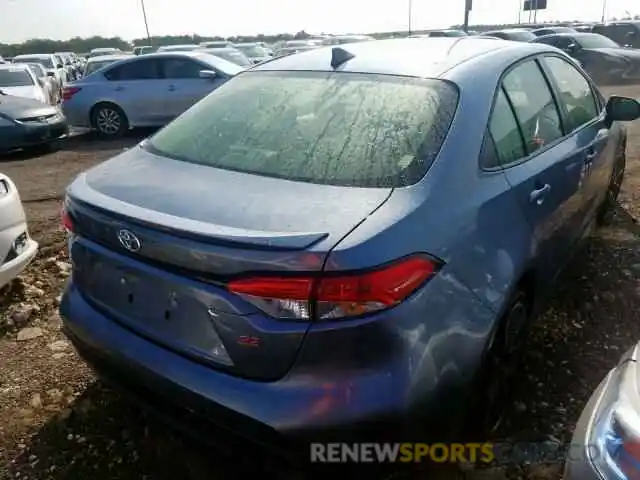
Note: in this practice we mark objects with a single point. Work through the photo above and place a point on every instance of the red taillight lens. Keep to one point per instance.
(337, 296)
(67, 221)
(68, 92)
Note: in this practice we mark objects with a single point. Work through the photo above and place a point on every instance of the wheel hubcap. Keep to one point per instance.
(108, 121)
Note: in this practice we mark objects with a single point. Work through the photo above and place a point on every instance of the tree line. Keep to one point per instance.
(83, 45)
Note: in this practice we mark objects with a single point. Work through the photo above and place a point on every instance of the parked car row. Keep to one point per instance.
(607, 62)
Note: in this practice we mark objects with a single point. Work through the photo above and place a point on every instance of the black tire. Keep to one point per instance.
(109, 120)
(615, 184)
(500, 366)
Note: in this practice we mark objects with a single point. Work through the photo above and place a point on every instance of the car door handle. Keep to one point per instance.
(537, 195)
(119, 89)
(171, 88)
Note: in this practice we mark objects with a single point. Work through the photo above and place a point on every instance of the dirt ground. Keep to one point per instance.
(58, 422)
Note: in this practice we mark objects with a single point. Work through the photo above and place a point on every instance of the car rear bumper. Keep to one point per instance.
(20, 136)
(12, 268)
(281, 416)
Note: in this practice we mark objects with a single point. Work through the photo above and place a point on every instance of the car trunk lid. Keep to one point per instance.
(195, 227)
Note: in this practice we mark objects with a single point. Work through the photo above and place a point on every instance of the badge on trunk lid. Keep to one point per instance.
(128, 240)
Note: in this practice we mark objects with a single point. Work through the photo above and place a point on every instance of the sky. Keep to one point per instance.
(21, 20)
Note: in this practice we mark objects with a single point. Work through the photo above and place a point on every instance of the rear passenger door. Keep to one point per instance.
(139, 89)
(545, 178)
(588, 135)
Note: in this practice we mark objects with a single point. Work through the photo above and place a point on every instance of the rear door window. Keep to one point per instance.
(146, 69)
(534, 106)
(338, 128)
(505, 135)
(575, 91)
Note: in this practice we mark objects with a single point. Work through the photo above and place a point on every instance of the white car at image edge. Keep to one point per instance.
(17, 248)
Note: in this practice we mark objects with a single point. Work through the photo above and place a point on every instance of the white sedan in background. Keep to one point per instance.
(20, 80)
(17, 248)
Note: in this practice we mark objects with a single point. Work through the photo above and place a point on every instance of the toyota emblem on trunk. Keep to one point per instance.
(128, 240)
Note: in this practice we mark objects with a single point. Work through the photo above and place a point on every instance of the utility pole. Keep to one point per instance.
(604, 10)
(535, 11)
(519, 12)
(467, 8)
(146, 24)
(410, 6)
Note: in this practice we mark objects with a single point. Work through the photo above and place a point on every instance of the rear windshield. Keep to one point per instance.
(15, 77)
(349, 129)
(235, 57)
(46, 62)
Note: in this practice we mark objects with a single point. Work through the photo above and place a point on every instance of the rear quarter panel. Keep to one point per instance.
(470, 220)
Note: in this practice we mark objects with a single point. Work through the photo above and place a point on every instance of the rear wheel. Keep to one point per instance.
(109, 120)
(615, 185)
(501, 365)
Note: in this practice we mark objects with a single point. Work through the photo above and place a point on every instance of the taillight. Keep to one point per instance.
(68, 92)
(331, 296)
(67, 221)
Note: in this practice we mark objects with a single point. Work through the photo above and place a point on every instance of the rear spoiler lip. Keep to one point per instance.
(80, 192)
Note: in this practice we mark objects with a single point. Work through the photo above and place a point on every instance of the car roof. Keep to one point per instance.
(510, 30)
(10, 66)
(399, 56)
(105, 58)
(223, 50)
(33, 55)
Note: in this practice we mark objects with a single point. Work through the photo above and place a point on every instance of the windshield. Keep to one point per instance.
(238, 58)
(349, 129)
(177, 48)
(520, 36)
(253, 50)
(15, 77)
(46, 62)
(596, 41)
(37, 69)
(95, 66)
(101, 53)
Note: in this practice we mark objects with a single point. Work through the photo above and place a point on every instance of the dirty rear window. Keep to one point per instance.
(333, 128)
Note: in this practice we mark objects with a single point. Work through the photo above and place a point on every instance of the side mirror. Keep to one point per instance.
(51, 74)
(622, 109)
(208, 74)
(572, 48)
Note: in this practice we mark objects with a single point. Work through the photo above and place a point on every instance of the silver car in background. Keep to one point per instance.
(19, 80)
(255, 52)
(17, 248)
(46, 82)
(49, 62)
(97, 52)
(187, 47)
(232, 55)
(216, 44)
(96, 63)
(144, 91)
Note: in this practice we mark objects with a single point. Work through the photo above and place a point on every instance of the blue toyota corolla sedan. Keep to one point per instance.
(350, 239)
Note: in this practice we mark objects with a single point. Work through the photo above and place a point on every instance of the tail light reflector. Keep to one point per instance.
(68, 92)
(67, 221)
(332, 296)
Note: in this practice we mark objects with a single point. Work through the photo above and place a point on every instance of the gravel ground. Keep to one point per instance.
(58, 422)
